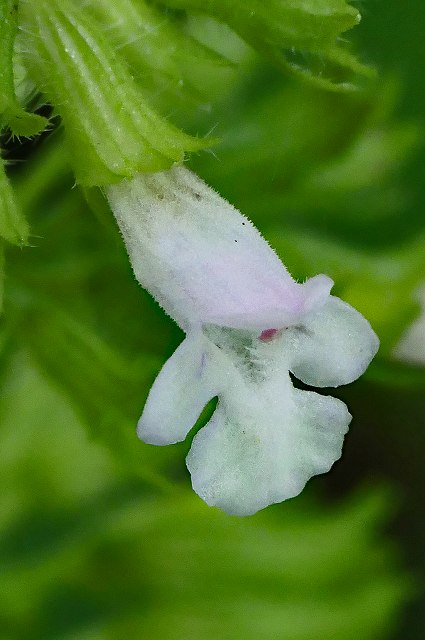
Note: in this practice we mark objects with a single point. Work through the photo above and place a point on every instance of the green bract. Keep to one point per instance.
(111, 130)
(12, 114)
(302, 36)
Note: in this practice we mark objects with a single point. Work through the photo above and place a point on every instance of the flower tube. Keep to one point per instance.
(248, 325)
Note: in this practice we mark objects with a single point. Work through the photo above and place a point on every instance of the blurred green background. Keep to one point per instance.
(101, 537)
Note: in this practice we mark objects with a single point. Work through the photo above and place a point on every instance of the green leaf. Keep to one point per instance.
(301, 36)
(12, 114)
(105, 388)
(13, 226)
(112, 132)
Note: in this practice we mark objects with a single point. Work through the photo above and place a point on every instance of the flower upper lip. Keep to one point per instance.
(306, 298)
(183, 250)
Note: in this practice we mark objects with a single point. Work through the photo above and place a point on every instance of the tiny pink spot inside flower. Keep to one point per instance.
(268, 334)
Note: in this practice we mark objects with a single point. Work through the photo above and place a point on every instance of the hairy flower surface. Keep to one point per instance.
(248, 325)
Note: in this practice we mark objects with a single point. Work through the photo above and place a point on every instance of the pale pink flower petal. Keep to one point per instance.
(248, 324)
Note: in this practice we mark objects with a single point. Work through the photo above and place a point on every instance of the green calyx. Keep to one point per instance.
(172, 66)
(111, 130)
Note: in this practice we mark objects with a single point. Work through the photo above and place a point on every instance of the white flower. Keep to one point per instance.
(248, 325)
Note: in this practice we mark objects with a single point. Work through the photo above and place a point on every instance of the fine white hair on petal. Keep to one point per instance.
(333, 345)
(248, 324)
(185, 384)
(242, 463)
(202, 259)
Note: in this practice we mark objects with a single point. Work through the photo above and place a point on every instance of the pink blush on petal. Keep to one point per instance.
(268, 334)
